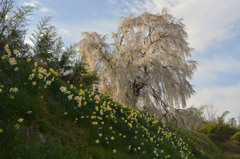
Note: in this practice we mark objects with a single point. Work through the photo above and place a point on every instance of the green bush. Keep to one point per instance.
(208, 127)
(236, 138)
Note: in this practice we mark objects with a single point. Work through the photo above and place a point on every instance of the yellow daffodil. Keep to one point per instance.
(17, 126)
(29, 60)
(97, 141)
(20, 120)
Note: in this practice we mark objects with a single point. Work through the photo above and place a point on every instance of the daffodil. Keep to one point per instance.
(70, 97)
(17, 126)
(63, 89)
(16, 52)
(20, 120)
(11, 97)
(49, 82)
(28, 60)
(97, 141)
(16, 69)
(12, 61)
(29, 112)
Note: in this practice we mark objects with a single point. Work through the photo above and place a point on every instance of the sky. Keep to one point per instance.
(213, 28)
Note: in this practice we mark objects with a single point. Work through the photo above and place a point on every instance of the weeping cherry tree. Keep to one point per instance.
(148, 64)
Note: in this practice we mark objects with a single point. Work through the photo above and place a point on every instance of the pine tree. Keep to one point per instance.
(47, 44)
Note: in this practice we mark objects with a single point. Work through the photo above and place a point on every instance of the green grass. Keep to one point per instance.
(93, 126)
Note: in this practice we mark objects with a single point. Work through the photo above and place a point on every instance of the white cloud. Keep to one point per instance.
(112, 1)
(45, 10)
(29, 4)
(223, 98)
(211, 70)
(28, 41)
(206, 21)
(71, 31)
(32, 3)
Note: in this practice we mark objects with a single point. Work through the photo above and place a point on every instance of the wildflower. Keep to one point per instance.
(124, 136)
(49, 82)
(44, 71)
(76, 98)
(97, 97)
(34, 83)
(6, 47)
(1, 130)
(17, 126)
(29, 112)
(29, 60)
(101, 112)
(11, 97)
(0, 90)
(40, 76)
(16, 69)
(15, 90)
(20, 120)
(16, 52)
(94, 123)
(70, 97)
(112, 138)
(114, 150)
(100, 135)
(129, 147)
(63, 89)
(12, 61)
(97, 141)
(3, 57)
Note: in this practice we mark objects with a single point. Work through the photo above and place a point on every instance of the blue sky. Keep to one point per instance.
(213, 27)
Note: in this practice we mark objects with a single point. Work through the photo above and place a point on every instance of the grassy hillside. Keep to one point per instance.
(42, 116)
